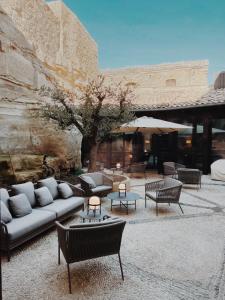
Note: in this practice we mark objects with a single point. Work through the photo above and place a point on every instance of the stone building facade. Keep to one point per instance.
(164, 84)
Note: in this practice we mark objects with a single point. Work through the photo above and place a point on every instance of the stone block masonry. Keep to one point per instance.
(165, 83)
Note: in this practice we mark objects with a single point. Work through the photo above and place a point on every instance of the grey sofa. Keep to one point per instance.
(95, 183)
(41, 218)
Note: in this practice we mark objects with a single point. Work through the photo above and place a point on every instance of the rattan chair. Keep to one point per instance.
(137, 168)
(170, 168)
(86, 241)
(190, 176)
(103, 187)
(163, 191)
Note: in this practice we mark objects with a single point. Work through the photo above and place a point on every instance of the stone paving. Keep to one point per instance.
(172, 256)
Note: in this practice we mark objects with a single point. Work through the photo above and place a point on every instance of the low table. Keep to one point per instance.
(124, 200)
(91, 216)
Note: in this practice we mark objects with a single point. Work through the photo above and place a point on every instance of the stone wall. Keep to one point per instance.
(165, 83)
(25, 65)
(78, 51)
(59, 39)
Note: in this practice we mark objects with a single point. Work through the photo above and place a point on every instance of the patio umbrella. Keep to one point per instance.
(150, 125)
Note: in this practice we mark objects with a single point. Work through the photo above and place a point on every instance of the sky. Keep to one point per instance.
(146, 32)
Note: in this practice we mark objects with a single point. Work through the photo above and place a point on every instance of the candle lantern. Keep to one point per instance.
(122, 190)
(94, 204)
(118, 165)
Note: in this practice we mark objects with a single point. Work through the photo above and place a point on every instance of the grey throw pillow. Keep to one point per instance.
(6, 217)
(51, 184)
(27, 189)
(65, 190)
(4, 197)
(43, 196)
(20, 206)
(89, 180)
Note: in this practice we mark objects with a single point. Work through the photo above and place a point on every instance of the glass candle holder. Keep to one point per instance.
(122, 189)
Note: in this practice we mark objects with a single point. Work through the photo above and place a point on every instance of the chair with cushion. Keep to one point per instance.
(96, 183)
(137, 169)
(86, 241)
(163, 191)
(170, 168)
(190, 176)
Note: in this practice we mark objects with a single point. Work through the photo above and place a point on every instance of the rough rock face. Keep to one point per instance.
(60, 41)
(22, 73)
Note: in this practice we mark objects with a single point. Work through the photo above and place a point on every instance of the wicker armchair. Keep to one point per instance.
(163, 191)
(103, 184)
(137, 168)
(86, 241)
(170, 168)
(190, 176)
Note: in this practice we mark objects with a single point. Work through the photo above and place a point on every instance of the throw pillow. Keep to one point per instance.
(6, 217)
(27, 189)
(20, 205)
(4, 196)
(89, 180)
(51, 184)
(43, 196)
(65, 190)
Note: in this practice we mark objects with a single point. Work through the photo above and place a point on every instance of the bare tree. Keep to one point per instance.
(95, 111)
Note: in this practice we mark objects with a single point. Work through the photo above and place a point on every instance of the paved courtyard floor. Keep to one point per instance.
(172, 256)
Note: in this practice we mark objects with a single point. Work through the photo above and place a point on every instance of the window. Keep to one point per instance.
(171, 82)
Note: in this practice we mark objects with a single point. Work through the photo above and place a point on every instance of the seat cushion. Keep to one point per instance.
(4, 196)
(27, 189)
(65, 190)
(97, 177)
(19, 227)
(101, 188)
(43, 196)
(20, 206)
(89, 180)
(151, 194)
(62, 206)
(6, 216)
(51, 184)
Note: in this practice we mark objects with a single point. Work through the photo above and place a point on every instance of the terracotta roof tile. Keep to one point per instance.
(213, 97)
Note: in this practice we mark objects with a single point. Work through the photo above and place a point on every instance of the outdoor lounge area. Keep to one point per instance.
(151, 247)
(112, 150)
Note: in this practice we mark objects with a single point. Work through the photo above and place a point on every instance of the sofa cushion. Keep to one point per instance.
(19, 227)
(6, 217)
(51, 184)
(27, 189)
(4, 196)
(101, 188)
(89, 180)
(62, 206)
(43, 196)
(65, 190)
(20, 206)
(97, 177)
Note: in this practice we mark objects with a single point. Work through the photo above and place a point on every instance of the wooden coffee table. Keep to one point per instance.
(127, 200)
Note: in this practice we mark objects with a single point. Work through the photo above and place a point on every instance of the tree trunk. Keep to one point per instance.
(93, 157)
